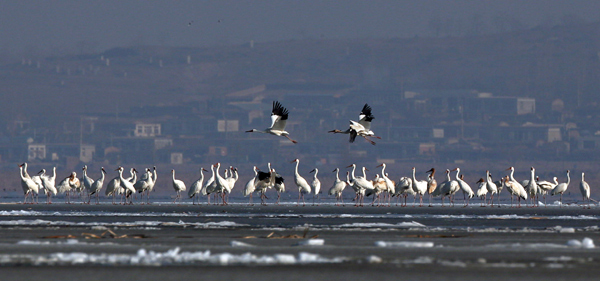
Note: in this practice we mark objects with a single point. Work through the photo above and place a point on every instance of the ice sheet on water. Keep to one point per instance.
(311, 242)
(586, 243)
(19, 213)
(39, 222)
(385, 225)
(235, 243)
(528, 245)
(404, 244)
(171, 257)
(35, 242)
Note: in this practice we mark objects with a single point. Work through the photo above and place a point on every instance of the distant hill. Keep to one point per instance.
(545, 63)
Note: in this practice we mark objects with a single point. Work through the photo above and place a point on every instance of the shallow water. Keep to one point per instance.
(240, 237)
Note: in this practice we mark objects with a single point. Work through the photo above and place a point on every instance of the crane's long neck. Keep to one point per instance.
(487, 176)
(24, 171)
(457, 172)
(353, 168)
(173, 174)
(54, 172)
(337, 174)
(568, 178)
(316, 172)
(448, 175)
(532, 177)
(217, 171)
(432, 173)
(121, 175)
(154, 176)
(101, 175)
(512, 172)
(212, 170)
(21, 173)
(296, 171)
(582, 176)
(255, 172)
(414, 178)
(383, 170)
(364, 173)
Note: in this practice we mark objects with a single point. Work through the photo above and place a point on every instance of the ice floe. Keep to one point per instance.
(384, 225)
(311, 242)
(39, 222)
(404, 244)
(171, 257)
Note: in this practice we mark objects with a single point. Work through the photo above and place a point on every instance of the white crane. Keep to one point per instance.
(482, 191)
(532, 188)
(113, 186)
(38, 180)
(360, 185)
(561, 188)
(278, 185)
(420, 187)
(338, 187)
(390, 185)
(179, 187)
(210, 185)
(264, 180)
(362, 127)
(279, 116)
(49, 184)
(221, 184)
(584, 187)
(431, 184)
(379, 187)
(447, 188)
(96, 187)
(143, 184)
(65, 186)
(464, 186)
(515, 188)
(28, 185)
(126, 186)
(250, 187)
(315, 185)
(303, 186)
(151, 184)
(546, 186)
(197, 187)
(87, 183)
(404, 188)
(492, 188)
(231, 180)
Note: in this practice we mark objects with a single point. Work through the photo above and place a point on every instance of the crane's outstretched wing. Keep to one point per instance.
(279, 116)
(365, 117)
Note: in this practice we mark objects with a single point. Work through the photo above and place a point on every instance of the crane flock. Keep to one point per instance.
(381, 187)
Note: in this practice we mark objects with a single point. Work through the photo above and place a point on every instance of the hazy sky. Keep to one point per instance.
(69, 26)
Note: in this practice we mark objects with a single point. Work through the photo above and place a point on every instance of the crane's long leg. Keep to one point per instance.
(290, 139)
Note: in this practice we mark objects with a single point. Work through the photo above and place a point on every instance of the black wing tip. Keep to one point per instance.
(366, 111)
(279, 110)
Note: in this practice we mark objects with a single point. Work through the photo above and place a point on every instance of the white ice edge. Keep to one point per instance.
(39, 222)
(311, 242)
(376, 224)
(170, 257)
(274, 215)
(404, 244)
